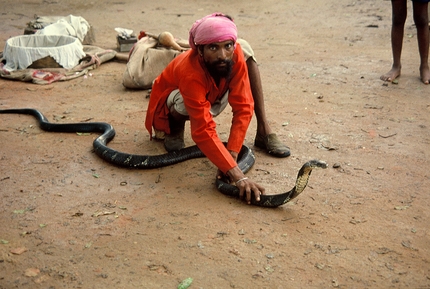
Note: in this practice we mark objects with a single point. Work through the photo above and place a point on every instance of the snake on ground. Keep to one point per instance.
(246, 157)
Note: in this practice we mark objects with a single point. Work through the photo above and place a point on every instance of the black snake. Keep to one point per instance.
(246, 157)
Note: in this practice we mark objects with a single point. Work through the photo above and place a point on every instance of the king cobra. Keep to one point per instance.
(246, 157)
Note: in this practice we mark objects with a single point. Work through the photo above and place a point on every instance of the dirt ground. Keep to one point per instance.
(71, 220)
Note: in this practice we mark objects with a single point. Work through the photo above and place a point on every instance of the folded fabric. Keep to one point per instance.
(75, 26)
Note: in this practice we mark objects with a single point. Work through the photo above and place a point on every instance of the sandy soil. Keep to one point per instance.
(71, 220)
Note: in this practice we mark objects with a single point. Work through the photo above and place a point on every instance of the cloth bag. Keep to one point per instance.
(146, 61)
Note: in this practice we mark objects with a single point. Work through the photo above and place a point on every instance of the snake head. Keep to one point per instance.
(317, 164)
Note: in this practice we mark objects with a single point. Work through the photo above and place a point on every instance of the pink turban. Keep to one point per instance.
(212, 28)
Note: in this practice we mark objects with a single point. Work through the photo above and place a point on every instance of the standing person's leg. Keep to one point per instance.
(399, 14)
(421, 20)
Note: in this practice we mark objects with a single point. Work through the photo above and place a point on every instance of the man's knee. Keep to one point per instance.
(421, 19)
(175, 103)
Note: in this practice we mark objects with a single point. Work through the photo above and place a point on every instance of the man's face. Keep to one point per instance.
(218, 58)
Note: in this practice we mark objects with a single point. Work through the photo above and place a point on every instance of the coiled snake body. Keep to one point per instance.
(246, 158)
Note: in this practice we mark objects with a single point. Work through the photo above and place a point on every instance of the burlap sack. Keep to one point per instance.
(146, 62)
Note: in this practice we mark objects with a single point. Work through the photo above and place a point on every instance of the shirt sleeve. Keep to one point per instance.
(242, 103)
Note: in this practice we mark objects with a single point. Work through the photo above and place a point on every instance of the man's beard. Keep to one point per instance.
(220, 72)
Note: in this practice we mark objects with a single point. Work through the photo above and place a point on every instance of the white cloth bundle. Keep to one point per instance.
(70, 25)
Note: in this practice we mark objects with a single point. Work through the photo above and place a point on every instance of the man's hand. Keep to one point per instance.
(246, 186)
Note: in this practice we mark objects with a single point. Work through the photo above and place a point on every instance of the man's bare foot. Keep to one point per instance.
(425, 74)
(391, 75)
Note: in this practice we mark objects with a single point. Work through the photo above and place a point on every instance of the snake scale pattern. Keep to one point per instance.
(246, 157)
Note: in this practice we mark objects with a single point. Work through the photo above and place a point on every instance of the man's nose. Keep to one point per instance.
(222, 54)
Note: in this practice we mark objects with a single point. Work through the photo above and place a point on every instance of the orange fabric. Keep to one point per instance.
(187, 73)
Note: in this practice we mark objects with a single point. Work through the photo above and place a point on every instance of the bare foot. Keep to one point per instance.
(425, 74)
(391, 75)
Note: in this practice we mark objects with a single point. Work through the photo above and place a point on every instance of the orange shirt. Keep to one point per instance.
(187, 73)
